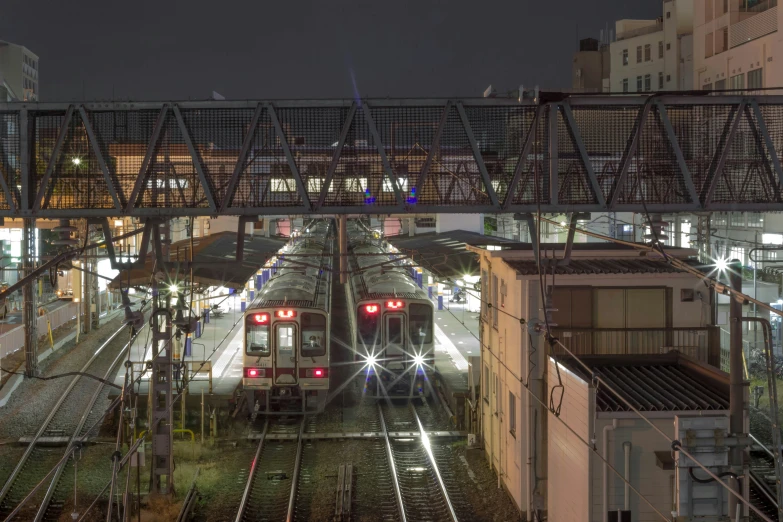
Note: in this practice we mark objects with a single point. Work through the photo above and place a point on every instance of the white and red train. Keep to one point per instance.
(287, 327)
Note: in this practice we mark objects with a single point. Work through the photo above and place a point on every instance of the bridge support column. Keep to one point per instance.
(30, 309)
(737, 387)
(343, 237)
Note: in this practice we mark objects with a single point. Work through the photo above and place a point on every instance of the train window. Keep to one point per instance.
(420, 323)
(257, 341)
(313, 335)
(285, 339)
(394, 329)
(368, 326)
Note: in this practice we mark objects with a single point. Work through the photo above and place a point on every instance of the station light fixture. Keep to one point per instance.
(76, 161)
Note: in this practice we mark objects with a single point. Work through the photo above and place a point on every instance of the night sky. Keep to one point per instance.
(164, 49)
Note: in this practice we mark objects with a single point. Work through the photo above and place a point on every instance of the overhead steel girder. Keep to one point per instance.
(500, 143)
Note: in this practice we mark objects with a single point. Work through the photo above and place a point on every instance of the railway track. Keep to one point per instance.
(270, 491)
(67, 422)
(762, 481)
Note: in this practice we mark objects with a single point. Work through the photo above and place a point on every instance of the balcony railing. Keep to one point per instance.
(702, 344)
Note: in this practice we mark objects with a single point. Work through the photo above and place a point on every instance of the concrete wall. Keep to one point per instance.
(569, 458)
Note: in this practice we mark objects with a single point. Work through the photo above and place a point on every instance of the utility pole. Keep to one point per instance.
(162, 481)
(738, 386)
(343, 240)
(29, 315)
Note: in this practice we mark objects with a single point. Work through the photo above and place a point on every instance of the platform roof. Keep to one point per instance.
(665, 382)
(444, 253)
(601, 266)
(219, 251)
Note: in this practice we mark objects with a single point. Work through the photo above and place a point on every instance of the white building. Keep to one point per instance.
(605, 293)
(19, 70)
(735, 43)
(654, 55)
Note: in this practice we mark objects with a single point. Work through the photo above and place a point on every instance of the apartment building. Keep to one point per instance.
(735, 43)
(608, 300)
(19, 70)
(590, 66)
(654, 55)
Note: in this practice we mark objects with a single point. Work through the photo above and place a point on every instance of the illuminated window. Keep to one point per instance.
(315, 184)
(355, 184)
(737, 219)
(313, 335)
(625, 56)
(772, 239)
(281, 185)
(285, 339)
(755, 220)
(402, 183)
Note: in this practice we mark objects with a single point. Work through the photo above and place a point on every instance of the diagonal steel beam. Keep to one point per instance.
(384, 159)
(434, 148)
(554, 160)
(675, 145)
(722, 154)
(336, 157)
(493, 197)
(630, 152)
(240, 164)
(196, 159)
(52, 160)
(25, 160)
(288, 156)
(137, 186)
(528, 144)
(762, 127)
(8, 196)
(757, 140)
(99, 156)
(580, 145)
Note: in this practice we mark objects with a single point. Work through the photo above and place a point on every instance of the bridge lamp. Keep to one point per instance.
(76, 161)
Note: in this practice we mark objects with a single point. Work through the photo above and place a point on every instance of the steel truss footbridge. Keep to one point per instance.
(557, 153)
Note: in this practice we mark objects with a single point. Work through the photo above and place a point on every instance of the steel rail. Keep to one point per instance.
(425, 440)
(73, 442)
(295, 479)
(250, 476)
(392, 466)
(31, 447)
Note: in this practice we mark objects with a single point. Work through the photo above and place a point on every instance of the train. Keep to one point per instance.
(287, 328)
(391, 319)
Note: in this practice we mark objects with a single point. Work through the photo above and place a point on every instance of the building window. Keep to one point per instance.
(668, 46)
(737, 219)
(755, 79)
(719, 220)
(668, 14)
(709, 45)
(660, 49)
(737, 82)
(668, 78)
(625, 84)
(708, 10)
(755, 220)
(495, 301)
(647, 53)
(660, 80)
(486, 383)
(485, 295)
(707, 86)
(638, 84)
(647, 84)
(720, 84)
(512, 414)
(639, 54)
(625, 56)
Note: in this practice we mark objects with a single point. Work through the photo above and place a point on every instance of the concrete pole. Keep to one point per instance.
(29, 313)
(737, 406)
(87, 281)
(343, 238)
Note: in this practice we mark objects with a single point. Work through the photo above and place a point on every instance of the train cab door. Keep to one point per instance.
(394, 329)
(285, 353)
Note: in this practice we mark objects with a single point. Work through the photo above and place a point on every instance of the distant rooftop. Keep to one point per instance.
(598, 267)
(667, 382)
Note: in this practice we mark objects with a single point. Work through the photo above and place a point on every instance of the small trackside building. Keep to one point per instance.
(607, 299)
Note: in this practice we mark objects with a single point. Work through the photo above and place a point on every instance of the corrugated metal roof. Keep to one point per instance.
(598, 266)
(444, 254)
(654, 387)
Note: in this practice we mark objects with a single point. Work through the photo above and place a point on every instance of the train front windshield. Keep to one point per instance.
(313, 335)
(257, 335)
(368, 324)
(420, 323)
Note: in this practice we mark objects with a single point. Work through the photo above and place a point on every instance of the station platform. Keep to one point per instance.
(456, 341)
(220, 344)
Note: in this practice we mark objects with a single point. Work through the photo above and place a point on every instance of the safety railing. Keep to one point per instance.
(700, 343)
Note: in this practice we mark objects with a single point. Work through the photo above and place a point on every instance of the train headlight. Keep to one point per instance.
(371, 360)
(418, 359)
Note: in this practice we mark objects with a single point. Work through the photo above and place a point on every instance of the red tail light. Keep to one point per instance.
(395, 304)
(255, 373)
(371, 308)
(316, 373)
(261, 318)
(286, 314)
